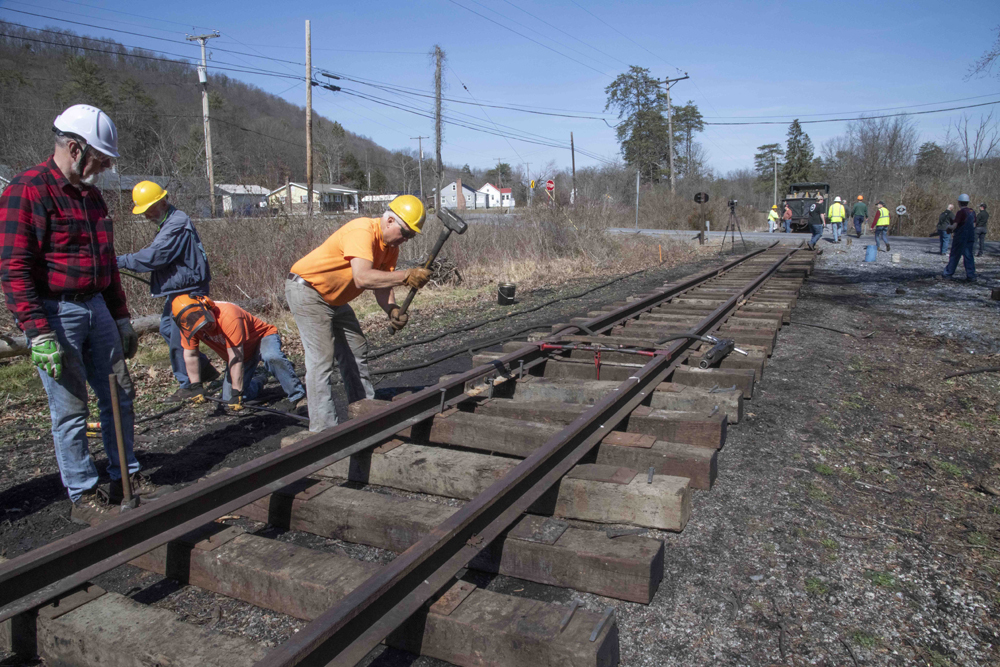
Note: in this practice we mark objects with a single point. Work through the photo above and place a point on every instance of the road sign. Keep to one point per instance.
(900, 210)
(550, 185)
(701, 197)
(532, 184)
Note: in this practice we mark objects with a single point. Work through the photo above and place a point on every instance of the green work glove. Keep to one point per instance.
(46, 353)
(130, 339)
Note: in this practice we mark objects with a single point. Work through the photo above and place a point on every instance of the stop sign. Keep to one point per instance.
(550, 185)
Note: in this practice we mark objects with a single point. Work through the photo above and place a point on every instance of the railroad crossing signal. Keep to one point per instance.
(900, 210)
(701, 198)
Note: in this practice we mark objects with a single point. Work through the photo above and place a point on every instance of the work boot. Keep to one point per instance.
(87, 509)
(185, 393)
(209, 373)
(887, 248)
(141, 486)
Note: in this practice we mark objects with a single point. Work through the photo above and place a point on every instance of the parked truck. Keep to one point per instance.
(799, 198)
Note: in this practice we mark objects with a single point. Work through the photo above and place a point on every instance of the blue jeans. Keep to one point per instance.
(172, 335)
(961, 247)
(858, 221)
(945, 241)
(275, 363)
(92, 350)
(882, 232)
(817, 231)
(836, 231)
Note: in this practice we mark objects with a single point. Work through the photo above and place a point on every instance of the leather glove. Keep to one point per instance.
(46, 354)
(130, 339)
(236, 401)
(397, 318)
(199, 393)
(950, 229)
(417, 277)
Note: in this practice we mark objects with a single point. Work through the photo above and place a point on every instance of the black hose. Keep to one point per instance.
(132, 275)
(704, 339)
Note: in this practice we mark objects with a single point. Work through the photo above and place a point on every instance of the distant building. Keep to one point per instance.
(327, 198)
(497, 197)
(189, 195)
(378, 204)
(242, 199)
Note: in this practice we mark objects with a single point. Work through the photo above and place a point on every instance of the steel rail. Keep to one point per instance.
(348, 631)
(42, 575)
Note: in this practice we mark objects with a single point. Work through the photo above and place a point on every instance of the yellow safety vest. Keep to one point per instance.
(883, 217)
(837, 212)
(773, 215)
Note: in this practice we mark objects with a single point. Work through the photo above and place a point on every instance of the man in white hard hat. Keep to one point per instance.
(60, 279)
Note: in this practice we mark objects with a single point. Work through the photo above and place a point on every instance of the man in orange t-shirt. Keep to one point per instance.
(359, 256)
(243, 341)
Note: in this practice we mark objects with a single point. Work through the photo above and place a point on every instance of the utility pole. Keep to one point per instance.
(439, 166)
(203, 77)
(499, 175)
(775, 156)
(527, 172)
(309, 122)
(572, 152)
(420, 164)
(670, 127)
(637, 199)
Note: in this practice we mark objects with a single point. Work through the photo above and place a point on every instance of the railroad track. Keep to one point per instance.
(566, 451)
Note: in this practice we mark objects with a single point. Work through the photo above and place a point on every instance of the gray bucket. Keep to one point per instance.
(505, 294)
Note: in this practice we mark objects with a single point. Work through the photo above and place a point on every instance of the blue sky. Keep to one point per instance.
(745, 60)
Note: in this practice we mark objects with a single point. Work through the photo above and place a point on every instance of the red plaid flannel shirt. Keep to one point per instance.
(55, 239)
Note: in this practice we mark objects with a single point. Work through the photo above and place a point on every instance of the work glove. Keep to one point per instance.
(236, 401)
(46, 353)
(417, 277)
(951, 229)
(198, 390)
(130, 339)
(397, 318)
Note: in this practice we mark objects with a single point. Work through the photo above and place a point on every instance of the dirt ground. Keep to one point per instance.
(852, 522)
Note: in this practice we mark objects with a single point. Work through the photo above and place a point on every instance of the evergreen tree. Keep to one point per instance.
(931, 160)
(798, 156)
(763, 162)
(643, 131)
(87, 85)
(687, 120)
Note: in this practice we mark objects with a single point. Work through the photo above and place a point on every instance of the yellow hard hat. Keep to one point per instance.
(774, 206)
(145, 194)
(410, 210)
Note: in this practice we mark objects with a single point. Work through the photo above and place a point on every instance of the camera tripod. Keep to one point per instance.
(732, 227)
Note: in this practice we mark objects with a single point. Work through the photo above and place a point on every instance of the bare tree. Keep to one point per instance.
(977, 143)
(984, 66)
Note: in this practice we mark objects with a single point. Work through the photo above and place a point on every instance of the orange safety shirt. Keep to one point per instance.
(234, 327)
(328, 267)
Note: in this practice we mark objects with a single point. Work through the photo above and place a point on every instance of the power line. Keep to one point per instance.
(150, 18)
(841, 120)
(530, 39)
(484, 112)
(622, 34)
(835, 113)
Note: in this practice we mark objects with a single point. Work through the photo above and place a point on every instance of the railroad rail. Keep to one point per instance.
(581, 426)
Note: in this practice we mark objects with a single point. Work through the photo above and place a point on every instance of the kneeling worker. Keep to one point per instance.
(360, 255)
(243, 341)
(177, 264)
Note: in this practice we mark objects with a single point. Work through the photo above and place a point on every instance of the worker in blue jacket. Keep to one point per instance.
(177, 264)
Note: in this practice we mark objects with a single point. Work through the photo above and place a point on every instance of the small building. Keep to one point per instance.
(242, 199)
(497, 197)
(189, 195)
(327, 198)
(471, 198)
(378, 204)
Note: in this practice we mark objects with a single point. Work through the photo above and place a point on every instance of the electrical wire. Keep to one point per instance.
(791, 117)
(841, 120)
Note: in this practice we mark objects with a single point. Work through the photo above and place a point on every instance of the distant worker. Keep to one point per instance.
(177, 264)
(772, 219)
(359, 256)
(881, 224)
(817, 219)
(963, 232)
(982, 219)
(837, 215)
(61, 282)
(944, 221)
(242, 341)
(786, 217)
(860, 215)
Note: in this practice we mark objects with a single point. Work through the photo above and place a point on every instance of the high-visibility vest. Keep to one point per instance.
(837, 213)
(883, 217)
(773, 215)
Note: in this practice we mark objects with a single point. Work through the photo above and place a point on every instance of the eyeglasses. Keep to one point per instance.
(405, 230)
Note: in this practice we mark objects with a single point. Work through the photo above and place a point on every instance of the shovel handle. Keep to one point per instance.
(123, 464)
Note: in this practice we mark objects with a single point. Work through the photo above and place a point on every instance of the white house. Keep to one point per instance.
(326, 198)
(473, 199)
(242, 198)
(497, 197)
